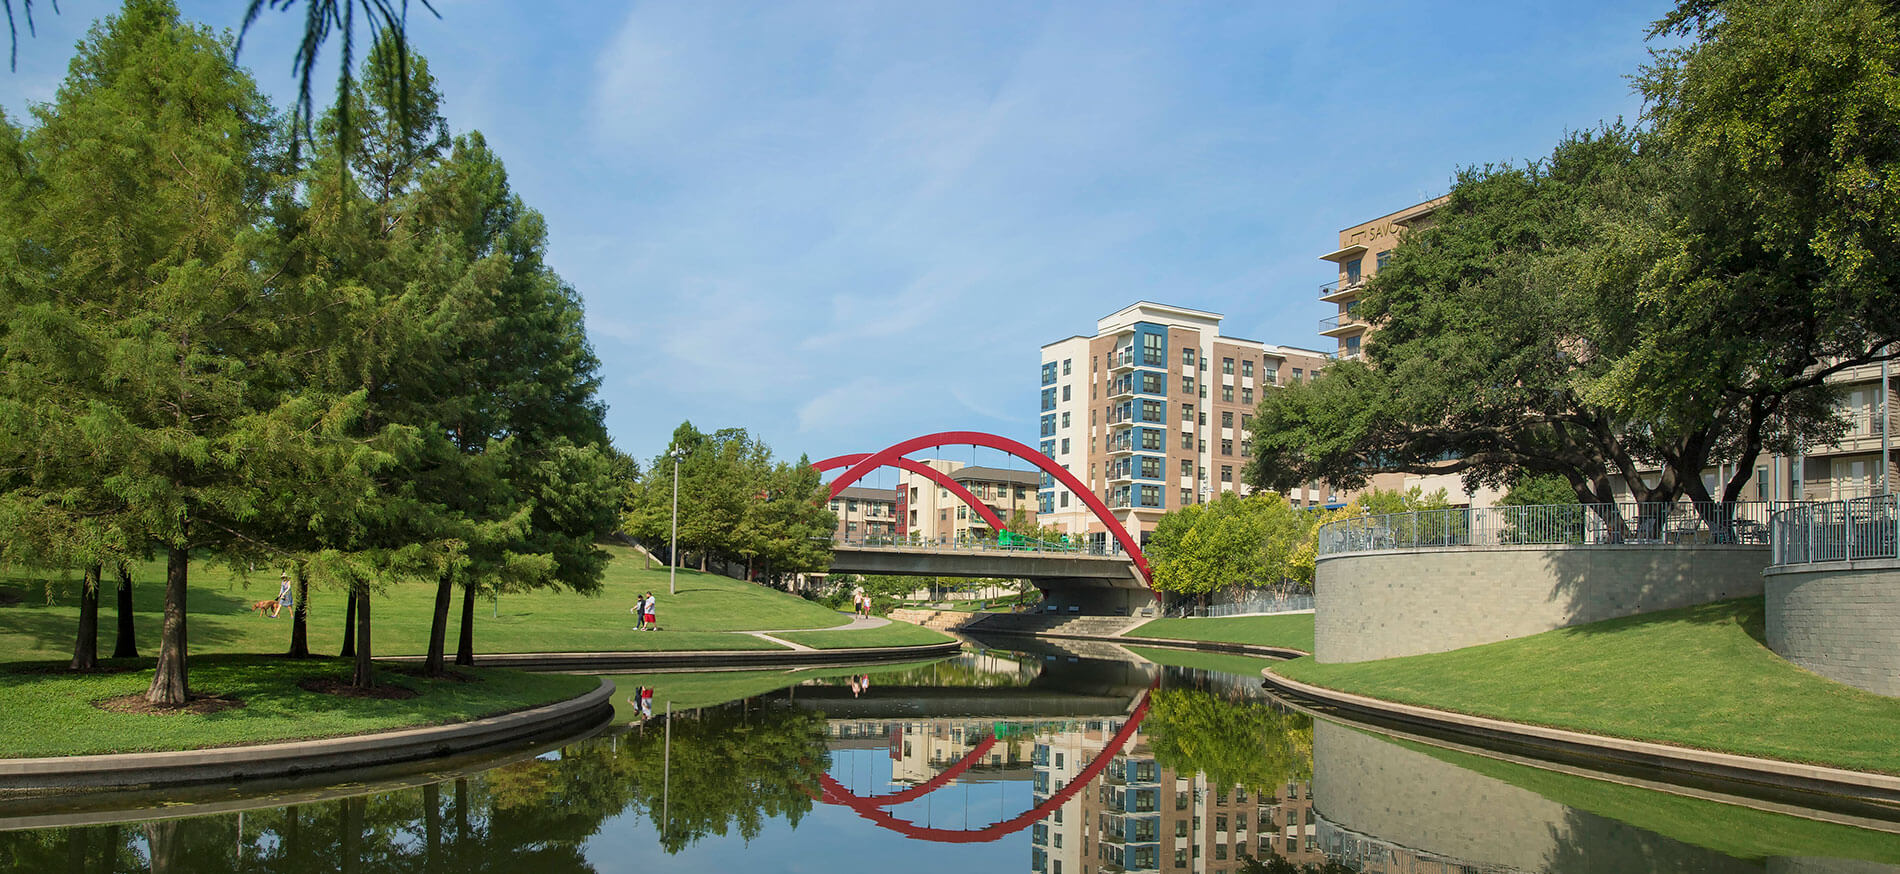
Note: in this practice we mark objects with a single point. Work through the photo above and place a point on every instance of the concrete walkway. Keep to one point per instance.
(857, 623)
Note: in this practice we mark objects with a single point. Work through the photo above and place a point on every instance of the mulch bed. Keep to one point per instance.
(343, 689)
(198, 705)
(447, 675)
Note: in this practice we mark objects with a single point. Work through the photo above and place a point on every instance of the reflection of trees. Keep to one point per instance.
(1234, 743)
(733, 770)
(953, 673)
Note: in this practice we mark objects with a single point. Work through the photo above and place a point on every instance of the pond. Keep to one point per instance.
(1013, 756)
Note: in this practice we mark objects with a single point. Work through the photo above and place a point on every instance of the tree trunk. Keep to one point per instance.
(646, 558)
(465, 642)
(127, 646)
(163, 845)
(349, 625)
(293, 834)
(76, 849)
(439, 625)
(365, 676)
(300, 616)
(170, 686)
(86, 645)
(702, 562)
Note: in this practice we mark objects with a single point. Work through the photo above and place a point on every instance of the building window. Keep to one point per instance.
(1246, 367)
(1152, 411)
(1187, 467)
(1150, 467)
(1151, 384)
(1187, 356)
(1187, 440)
(1049, 425)
(1048, 372)
(1352, 345)
(1378, 261)
(1352, 271)
(1065, 420)
(1065, 392)
(1065, 499)
(1150, 497)
(1065, 366)
(1227, 419)
(1226, 473)
(1270, 373)
(1151, 439)
(1187, 412)
(1227, 447)
(963, 513)
(1227, 393)
(1065, 446)
(1297, 373)
(1246, 396)
(1187, 384)
(1227, 366)
(1151, 350)
(1048, 399)
(851, 506)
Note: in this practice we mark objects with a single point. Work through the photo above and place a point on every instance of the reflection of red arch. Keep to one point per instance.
(990, 441)
(936, 476)
(872, 808)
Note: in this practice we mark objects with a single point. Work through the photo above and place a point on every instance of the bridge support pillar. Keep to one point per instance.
(1088, 596)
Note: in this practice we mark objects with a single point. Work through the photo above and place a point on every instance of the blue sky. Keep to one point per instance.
(843, 224)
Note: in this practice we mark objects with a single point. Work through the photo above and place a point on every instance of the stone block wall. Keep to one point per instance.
(1838, 619)
(1377, 605)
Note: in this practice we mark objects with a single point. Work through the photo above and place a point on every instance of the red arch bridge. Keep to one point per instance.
(1073, 579)
(872, 807)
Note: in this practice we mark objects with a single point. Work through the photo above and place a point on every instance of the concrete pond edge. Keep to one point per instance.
(704, 660)
(1796, 777)
(574, 716)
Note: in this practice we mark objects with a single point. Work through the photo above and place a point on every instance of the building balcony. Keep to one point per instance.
(1341, 325)
(1341, 289)
(1122, 360)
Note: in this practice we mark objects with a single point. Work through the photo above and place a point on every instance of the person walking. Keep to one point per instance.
(284, 599)
(652, 622)
(639, 611)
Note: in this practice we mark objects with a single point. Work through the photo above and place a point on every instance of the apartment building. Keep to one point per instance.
(864, 512)
(932, 514)
(1153, 412)
(1849, 468)
(1363, 250)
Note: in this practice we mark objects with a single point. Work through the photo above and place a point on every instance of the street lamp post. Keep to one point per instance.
(672, 567)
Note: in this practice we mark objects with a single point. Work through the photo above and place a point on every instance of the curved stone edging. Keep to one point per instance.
(1250, 649)
(1667, 758)
(227, 764)
(706, 660)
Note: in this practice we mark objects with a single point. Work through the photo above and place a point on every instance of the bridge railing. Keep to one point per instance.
(1620, 524)
(874, 541)
(1861, 528)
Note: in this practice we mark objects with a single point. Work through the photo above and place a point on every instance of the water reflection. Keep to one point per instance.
(1049, 760)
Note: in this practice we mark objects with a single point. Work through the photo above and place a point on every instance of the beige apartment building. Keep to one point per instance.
(865, 512)
(1152, 412)
(930, 513)
(1850, 468)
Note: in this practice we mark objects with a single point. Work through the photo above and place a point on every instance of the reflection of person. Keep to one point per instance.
(646, 702)
(284, 599)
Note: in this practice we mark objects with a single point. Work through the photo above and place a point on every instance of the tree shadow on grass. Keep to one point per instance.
(1745, 612)
(43, 631)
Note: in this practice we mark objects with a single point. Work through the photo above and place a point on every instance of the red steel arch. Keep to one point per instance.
(936, 476)
(872, 808)
(889, 455)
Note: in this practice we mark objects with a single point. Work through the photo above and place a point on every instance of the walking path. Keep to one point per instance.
(857, 623)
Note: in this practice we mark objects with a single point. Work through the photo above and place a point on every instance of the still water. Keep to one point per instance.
(1011, 757)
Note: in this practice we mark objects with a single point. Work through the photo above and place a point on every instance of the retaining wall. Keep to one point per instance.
(1838, 619)
(1377, 605)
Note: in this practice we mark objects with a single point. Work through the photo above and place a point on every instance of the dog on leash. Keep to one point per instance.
(267, 607)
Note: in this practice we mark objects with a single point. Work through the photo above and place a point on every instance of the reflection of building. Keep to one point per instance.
(1140, 816)
(930, 513)
(1153, 412)
(865, 512)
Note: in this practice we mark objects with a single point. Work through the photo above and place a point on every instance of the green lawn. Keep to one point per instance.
(38, 616)
(1226, 663)
(894, 634)
(1289, 630)
(52, 713)
(1698, 677)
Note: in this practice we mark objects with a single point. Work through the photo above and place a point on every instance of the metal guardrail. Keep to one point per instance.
(1625, 524)
(1861, 528)
(972, 545)
(1253, 605)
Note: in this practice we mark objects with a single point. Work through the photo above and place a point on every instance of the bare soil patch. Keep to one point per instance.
(343, 689)
(198, 705)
